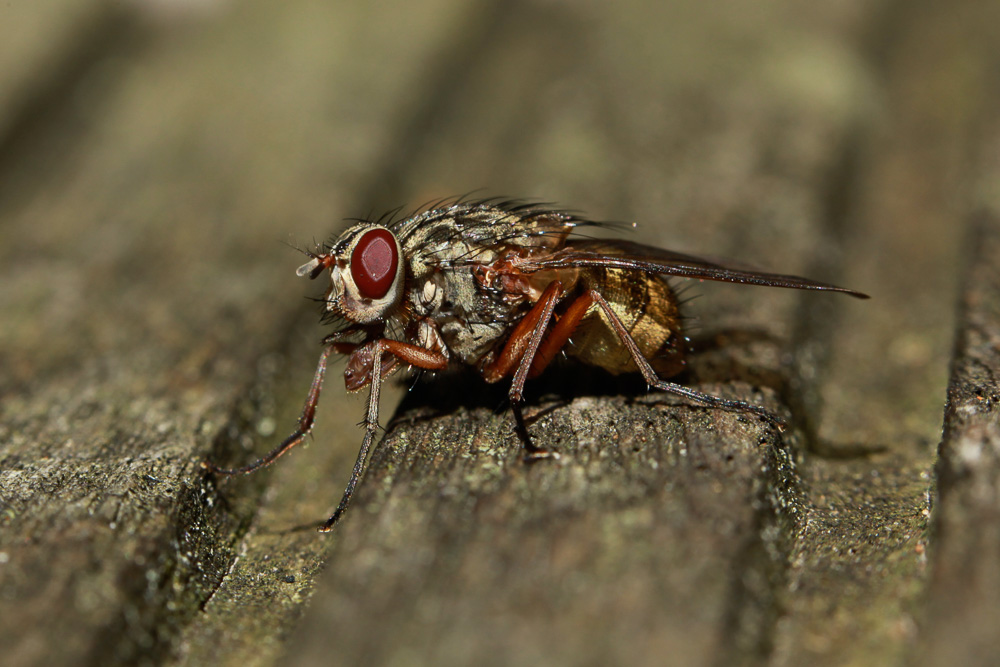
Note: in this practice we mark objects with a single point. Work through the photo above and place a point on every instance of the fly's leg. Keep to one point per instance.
(367, 359)
(411, 354)
(519, 352)
(306, 420)
(371, 426)
(567, 324)
(560, 333)
(653, 380)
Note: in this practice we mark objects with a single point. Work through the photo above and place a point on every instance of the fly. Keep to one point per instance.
(500, 287)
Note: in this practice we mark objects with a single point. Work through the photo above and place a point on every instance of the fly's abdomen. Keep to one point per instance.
(647, 307)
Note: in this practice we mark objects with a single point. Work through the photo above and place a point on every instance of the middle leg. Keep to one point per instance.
(517, 356)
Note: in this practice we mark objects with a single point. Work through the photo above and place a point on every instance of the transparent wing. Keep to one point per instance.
(616, 254)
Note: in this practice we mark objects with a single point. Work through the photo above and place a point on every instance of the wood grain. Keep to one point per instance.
(155, 157)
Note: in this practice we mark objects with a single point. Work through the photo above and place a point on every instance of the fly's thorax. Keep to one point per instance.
(367, 273)
(470, 319)
(506, 277)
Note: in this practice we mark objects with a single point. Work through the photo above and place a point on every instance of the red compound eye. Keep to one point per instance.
(374, 263)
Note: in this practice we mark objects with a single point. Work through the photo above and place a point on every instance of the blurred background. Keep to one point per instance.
(158, 157)
(162, 151)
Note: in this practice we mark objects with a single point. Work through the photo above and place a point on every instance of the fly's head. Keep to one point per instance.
(366, 273)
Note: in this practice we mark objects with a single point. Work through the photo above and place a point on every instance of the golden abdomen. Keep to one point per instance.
(647, 306)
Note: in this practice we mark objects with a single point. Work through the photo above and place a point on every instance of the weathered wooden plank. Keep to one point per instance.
(963, 610)
(857, 573)
(963, 602)
(663, 530)
(143, 289)
(621, 551)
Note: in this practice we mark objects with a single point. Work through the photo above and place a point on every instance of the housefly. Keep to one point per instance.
(502, 287)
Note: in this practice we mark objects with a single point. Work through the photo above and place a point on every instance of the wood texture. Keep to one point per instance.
(964, 587)
(156, 155)
(146, 294)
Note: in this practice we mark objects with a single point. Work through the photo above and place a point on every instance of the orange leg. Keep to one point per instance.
(358, 372)
(560, 333)
(524, 341)
(532, 346)
(567, 324)
(519, 353)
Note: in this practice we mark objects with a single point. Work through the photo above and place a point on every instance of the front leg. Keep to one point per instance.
(359, 370)
(368, 358)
